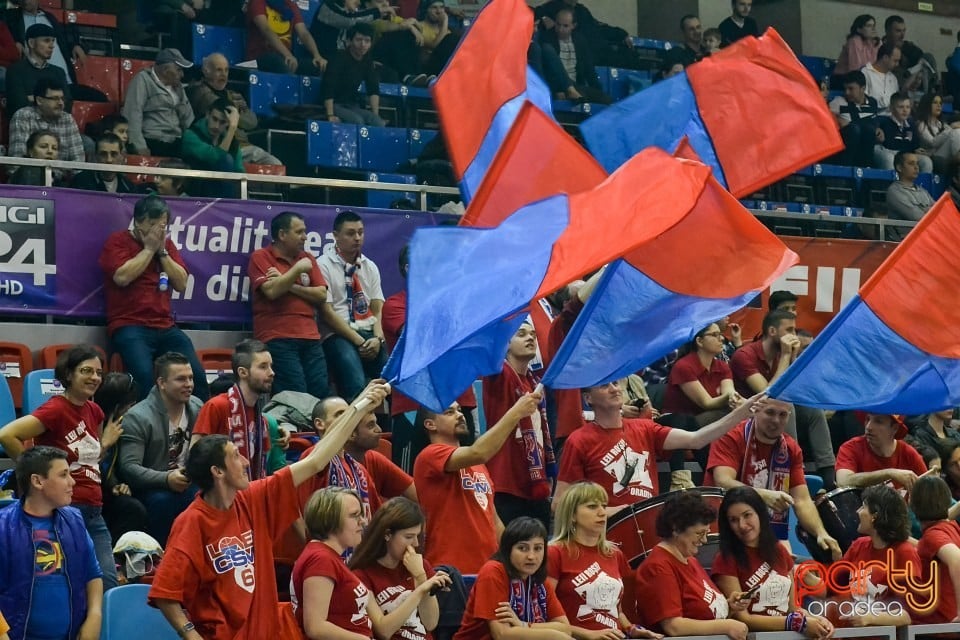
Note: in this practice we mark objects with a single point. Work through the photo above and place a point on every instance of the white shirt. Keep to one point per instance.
(332, 267)
(881, 86)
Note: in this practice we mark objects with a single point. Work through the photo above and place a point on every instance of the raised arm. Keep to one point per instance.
(487, 445)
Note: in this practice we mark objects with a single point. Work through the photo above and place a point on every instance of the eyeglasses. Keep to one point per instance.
(53, 98)
(89, 371)
(701, 535)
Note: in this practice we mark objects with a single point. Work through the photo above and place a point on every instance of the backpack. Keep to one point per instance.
(453, 604)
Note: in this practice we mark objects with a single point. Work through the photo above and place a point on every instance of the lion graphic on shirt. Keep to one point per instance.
(862, 588)
(628, 468)
(717, 603)
(412, 622)
(600, 594)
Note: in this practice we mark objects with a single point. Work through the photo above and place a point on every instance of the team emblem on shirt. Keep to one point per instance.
(391, 598)
(478, 484)
(235, 554)
(601, 595)
(717, 603)
(48, 556)
(629, 470)
(361, 595)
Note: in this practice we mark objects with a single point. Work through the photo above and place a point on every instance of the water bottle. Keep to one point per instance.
(164, 283)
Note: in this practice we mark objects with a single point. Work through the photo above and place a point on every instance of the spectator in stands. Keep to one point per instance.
(156, 106)
(171, 186)
(341, 84)
(73, 423)
(940, 139)
(140, 266)
(48, 115)
(917, 70)
(33, 67)
(907, 200)
(577, 61)
(271, 25)
(210, 144)
(50, 581)
(118, 126)
(933, 431)
(396, 45)
(454, 485)
(287, 290)
(881, 82)
(439, 41)
(109, 151)
(691, 49)
(952, 87)
(350, 319)
(880, 456)
(712, 40)
(239, 520)
(700, 383)
(66, 43)
(856, 112)
(859, 50)
(335, 17)
(41, 145)
(213, 85)
(782, 300)
(739, 24)
(612, 46)
(237, 413)
(930, 502)
(898, 132)
(154, 444)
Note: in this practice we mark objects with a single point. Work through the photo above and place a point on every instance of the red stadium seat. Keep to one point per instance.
(89, 112)
(50, 353)
(101, 73)
(51, 4)
(265, 169)
(88, 19)
(143, 161)
(116, 363)
(129, 68)
(16, 362)
(215, 362)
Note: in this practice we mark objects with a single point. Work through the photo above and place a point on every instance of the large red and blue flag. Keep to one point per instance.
(895, 347)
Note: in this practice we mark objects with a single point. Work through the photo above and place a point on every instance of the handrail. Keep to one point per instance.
(243, 178)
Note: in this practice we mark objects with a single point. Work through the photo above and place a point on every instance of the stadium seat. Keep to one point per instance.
(103, 73)
(229, 41)
(834, 184)
(332, 144)
(798, 549)
(116, 363)
(268, 89)
(382, 148)
(814, 483)
(310, 90)
(16, 362)
(90, 112)
(8, 413)
(417, 139)
(130, 67)
(872, 185)
(39, 386)
(50, 353)
(143, 161)
(383, 199)
(90, 19)
(126, 614)
(51, 4)
(215, 362)
(265, 169)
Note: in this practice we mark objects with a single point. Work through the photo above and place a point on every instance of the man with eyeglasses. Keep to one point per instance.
(47, 114)
(154, 444)
(35, 65)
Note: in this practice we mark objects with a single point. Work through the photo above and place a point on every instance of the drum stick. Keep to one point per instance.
(366, 402)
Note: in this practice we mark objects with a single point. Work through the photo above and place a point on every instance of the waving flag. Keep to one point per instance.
(483, 87)
(466, 284)
(895, 348)
(751, 112)
(536, 160)
(656, 298)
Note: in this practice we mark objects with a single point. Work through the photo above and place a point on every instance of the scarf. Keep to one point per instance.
(343, 471)
(247, 433)
(778, 474)
(535, 439)
(360, 315)
(281, 7)
(528, 599)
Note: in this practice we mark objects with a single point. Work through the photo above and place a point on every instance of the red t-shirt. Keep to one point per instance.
(356, 478)
(76, 430)
(729, 450)
(390, 587)
(219, 563)
(288, 316)
(256, 43)
(455, 502)
(348, 602)
(569, 402)
(748, 360)
(874, 586)
(623, 461)
(140, 303)
(491, 588)
(773, 596)
(934, 538)
(678, 590)
(509, 466)
(388, 479)
(855, 455)
(589, 584)
(688, 369)
(214, 418)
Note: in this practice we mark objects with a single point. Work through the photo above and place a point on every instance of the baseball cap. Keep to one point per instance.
(173, 55)
(40, 31)
(896, 420)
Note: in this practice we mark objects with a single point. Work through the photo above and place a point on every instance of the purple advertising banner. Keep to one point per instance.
(50, 242)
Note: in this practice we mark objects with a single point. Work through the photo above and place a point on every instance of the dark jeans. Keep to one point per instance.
(164, 149)
(398, 50)
(139, 346)
(510, 507)
(859, 139)
(163, 507)
(123, 514)
(299, 365)
(350, 372)
(102, 545)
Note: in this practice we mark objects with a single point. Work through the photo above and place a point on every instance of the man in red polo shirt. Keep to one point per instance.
(880, 456)
(287, 290)
(141, 268)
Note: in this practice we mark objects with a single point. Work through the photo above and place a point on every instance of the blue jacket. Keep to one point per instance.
(17, 566)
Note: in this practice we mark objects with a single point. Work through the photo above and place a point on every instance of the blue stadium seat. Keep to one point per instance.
(819, 68)
(382, 148)
(651, 43)
(937, 186)
(332, 144)
(799, 550)
(268, 89)
(625, 82)
(417, 139)
(39, 386)
(8, 412)
(790, 207)
(310, 87)
(814, 483)
(208, 38)
(383, 199)
(126, 614)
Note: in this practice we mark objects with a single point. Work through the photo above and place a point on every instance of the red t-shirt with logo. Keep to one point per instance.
(214, 418)
(773, 596)
(690, 369)
(857, 456)
(454, 503)
(874, 585)
(934, 538)
(729, 449)
(75, 430)
(388, 479)
(219, 563)
(680, 590)
(589, 584)
(288, 316)
(623, 461)
(256, 43)
(348, 601)
(390, 587)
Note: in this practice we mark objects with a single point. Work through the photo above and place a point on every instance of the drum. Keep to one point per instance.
(838, 511)
(634, 528)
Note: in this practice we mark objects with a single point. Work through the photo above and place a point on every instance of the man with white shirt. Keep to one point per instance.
(881, 81)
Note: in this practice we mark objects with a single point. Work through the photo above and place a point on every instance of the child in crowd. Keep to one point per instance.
(118, 126)
(711, 40)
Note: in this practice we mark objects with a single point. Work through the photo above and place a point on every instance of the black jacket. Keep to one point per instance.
(68, 36)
